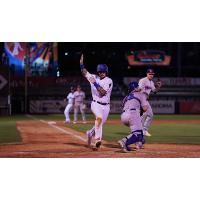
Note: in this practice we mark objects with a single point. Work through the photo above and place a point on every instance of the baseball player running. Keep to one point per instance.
(68, 108)
(147, 85)
(101, 88)
(79, 97)
(130, 116)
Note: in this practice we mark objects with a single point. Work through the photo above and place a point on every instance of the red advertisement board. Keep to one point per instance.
(149, 57)
(190, 107)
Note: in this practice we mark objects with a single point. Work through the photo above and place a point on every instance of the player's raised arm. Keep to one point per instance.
(91, 78)
(83, 70)
(100, 89)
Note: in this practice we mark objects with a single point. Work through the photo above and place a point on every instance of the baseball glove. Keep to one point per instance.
(158, 84)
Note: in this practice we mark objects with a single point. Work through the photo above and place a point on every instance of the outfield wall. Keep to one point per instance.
(170, 81)
(58, 106)
(159, 107)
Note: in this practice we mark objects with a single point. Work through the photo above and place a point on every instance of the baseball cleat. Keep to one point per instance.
(74, 122)
(98, 144)
(89, 138)
(138, 145)
(146, 133)
(123, 146)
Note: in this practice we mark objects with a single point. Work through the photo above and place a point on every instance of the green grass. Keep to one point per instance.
(177, 134)
(8, 130)
(177, 117)
(117, 116)
(163, 133)
(9, 133)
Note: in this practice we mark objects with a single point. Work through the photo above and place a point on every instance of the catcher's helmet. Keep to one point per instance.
(150, 71)
(132, 85)
(102, 68)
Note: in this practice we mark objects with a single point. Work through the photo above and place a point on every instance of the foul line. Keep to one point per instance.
(60, 129)
(64, 131)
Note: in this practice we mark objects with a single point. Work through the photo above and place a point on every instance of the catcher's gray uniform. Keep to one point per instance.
(132, 104)
(131, 110)
(79, 104)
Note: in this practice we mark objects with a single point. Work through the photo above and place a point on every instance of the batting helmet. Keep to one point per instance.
(102, 68)
(150, 71)
(132, 85)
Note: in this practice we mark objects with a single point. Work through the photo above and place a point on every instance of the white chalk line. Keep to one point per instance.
(58, 128)
(64, 131)
(61, 129)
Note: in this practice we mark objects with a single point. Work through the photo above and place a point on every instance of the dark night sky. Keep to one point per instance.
(113, 54)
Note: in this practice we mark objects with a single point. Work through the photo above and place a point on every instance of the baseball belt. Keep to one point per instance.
(104, 104)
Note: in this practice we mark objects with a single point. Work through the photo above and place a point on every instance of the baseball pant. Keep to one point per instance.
(101, 113)
(78, 107)
(67, 111)
(147, 118)
(132, 119)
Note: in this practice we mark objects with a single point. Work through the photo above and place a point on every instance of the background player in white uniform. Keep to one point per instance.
(130, 116)
(101, 88)
(147, 85)
(79, 97)
(68, 108)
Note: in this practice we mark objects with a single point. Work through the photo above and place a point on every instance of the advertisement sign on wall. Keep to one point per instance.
(190, 107)
(58, 106)
(149, 57)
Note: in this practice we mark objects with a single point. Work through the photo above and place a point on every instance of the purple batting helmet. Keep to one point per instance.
(102, 68)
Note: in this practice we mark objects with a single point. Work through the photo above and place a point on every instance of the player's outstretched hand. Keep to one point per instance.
(81, 59)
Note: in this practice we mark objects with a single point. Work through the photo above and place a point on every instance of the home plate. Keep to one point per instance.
(51, 122)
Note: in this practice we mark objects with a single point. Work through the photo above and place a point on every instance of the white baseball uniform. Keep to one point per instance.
(100, 105)
(70, 98)
(79, 104)
(147, 86)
